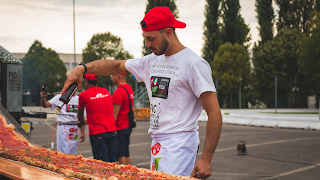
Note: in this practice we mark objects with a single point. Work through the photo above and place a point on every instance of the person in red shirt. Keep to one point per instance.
(102, 126)
(120, 111)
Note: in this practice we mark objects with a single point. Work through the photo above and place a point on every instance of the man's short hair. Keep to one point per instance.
(172, 28)
(92, 82)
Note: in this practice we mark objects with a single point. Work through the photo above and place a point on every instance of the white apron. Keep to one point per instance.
(174, 153)
(67, 141)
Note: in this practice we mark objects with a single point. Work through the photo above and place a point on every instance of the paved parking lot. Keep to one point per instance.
(273, 153)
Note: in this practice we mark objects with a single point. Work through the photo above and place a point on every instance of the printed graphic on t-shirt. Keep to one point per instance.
(154, 115)
(160, 86)
(72, 108)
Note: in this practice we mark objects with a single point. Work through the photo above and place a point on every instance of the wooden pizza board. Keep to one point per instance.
(21, 171)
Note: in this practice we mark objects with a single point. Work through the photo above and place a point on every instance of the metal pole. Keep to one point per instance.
(74, 35)
(240, 92)
(275, 89)
(136, 84)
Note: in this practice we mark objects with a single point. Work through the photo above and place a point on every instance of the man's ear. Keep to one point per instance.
(168, 32)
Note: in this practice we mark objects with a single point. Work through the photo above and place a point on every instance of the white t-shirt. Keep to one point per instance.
(68, 111)
(174, 85)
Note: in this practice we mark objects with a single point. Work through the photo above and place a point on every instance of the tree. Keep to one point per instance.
(104, 46)
(234, 29)
(314, 21)
(151, 4)
(278, 57)
(266, 18)
(295, 14)
(229, 62)
(317, 6)
(42, 66)
(309, 61)
(211, 27)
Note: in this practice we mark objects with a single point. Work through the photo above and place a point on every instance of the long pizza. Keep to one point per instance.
(14, 146)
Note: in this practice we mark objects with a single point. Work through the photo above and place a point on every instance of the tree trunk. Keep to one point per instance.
(231, 102)
(289, 99)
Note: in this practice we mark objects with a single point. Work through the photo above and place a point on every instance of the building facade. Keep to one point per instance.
(68, 59)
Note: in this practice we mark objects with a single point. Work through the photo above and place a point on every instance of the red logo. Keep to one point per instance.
(155, 149)
(153, 167)
(70, 136)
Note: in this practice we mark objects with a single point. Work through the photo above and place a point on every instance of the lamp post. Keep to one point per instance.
(74, 36)
(240, 92)
(276, 79)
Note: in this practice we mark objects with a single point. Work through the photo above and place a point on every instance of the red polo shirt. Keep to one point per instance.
(99, 108)
(120, 97)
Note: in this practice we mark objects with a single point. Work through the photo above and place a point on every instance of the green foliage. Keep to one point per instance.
(295, 14)
(278, 57)
(211, 27)
(314, 20)
(266, 18)
(234, 28)
(104, 46)
(42, 66)
(231, 61)
(309, 61)
(151, 4)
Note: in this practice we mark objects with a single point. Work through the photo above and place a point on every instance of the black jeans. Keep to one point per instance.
(104, 146)
(124, 142)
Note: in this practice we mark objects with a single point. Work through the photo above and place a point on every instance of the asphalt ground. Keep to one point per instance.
(272, 153)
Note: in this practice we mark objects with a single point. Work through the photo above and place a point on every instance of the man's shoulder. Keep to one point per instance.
(192, 57)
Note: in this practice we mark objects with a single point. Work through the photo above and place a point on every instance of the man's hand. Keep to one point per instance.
(75, 75)
(82, 137)
(202, 169)
(43, 95)
(44, 102)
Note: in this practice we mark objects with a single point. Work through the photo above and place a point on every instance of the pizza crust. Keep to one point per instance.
(4, 121)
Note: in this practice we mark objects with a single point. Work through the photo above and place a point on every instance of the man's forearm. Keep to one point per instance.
(82, 129)
(80, 117)
(105, 67)
(43, 102)
(213, 131)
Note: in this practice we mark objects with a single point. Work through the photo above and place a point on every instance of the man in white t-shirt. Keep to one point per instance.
(67, 135)
(179, 85)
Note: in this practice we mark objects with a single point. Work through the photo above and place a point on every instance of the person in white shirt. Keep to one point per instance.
(67, 135)
(179, 85)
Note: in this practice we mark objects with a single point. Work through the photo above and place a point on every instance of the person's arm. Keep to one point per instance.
(44, 102)
(82, 123)
(209, 101)
(82, 136)
(116, 109)
(99, 67)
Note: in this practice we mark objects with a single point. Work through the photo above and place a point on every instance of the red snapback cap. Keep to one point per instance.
(90, 76)
(160, 17)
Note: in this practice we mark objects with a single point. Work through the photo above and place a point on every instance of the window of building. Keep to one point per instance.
(67, 65)
(74, 65)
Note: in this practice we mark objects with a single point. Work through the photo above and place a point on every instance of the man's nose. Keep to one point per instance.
(147, 43)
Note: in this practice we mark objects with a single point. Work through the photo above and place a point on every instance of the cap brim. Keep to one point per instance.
(179, 24)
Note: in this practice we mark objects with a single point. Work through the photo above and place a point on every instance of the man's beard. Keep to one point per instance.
(163, 46)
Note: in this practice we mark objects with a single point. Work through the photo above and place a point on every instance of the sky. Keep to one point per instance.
(51, 22)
